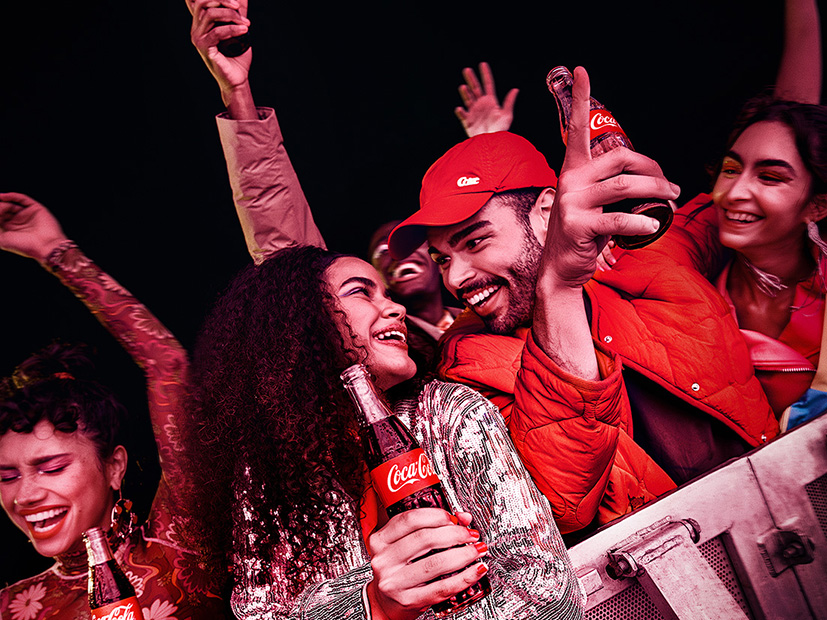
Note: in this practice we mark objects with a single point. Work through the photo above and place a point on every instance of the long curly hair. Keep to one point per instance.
(270, 417)
(59, 384)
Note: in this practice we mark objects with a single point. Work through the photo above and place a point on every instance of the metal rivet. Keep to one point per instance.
(607, 339)
(695, 387)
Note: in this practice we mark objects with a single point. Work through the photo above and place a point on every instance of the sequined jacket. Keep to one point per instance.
(169, 582)
(464, 435)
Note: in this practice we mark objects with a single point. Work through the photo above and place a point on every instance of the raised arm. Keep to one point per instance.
(27, 228)
(800, 70)
(268, 197)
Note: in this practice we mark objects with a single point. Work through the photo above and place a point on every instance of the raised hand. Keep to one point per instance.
(578, 228)
(400, 589)
(232, 74)
(27, 227)
(578, 232)
(482, 112)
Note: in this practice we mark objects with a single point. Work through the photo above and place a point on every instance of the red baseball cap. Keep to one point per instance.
(460, 182)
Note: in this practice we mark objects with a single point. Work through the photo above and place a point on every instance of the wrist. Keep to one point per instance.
(239, 102)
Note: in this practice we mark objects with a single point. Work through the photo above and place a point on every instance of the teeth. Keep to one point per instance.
(394, 334)
(484, 294)
(745, 218)
(46, 514)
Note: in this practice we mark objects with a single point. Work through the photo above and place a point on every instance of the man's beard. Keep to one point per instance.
(520, 285)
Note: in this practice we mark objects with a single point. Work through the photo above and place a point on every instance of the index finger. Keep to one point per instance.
(420, 518)
(579, 133)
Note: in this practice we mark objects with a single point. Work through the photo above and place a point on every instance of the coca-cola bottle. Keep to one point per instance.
(111, 596)
(606, 135)
(401, 472)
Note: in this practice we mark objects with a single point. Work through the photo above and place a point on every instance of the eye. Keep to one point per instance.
(439, 259)
(358, 290)
(772, 177)
(475, 242)
(51, 469)
(9, 476)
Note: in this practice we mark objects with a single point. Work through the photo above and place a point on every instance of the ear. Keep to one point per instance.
(115, 467)
(540, 213)
(817, 209)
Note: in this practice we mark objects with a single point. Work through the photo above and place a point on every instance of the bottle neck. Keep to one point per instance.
(364, 394)
(97, 547)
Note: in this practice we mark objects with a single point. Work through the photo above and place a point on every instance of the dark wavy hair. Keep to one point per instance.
(59, 384)
(270, 417)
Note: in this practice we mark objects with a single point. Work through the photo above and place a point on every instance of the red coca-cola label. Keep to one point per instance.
(402, 476)
(126, 609)
(602, 121)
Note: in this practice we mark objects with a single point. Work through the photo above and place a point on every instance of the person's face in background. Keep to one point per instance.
(54, 486)
(377, 321)
(416, 275)
(763, 193)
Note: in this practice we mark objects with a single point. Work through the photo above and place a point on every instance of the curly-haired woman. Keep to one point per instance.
(62, 459)
(275, 437)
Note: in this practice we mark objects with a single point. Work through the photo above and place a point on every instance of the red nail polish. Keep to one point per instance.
(454, 519)
(481, 547)
(473, 533)
(482, 568)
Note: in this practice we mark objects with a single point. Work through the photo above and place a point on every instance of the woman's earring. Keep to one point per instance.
(123, 519)
(815, 236)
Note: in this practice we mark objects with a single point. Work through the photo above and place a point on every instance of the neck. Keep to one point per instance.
(784, 268)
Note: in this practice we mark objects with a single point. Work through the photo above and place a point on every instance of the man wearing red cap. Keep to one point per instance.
(544, 341)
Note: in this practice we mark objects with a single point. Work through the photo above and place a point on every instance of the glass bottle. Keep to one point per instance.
(401, 472)
(606, 135)
(111, 595)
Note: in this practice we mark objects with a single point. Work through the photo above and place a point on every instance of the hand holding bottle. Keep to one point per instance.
(214, 21)
(421, 558)
(579, 228)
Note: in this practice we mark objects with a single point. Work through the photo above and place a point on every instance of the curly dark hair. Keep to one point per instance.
(269, 412)
(59, 384)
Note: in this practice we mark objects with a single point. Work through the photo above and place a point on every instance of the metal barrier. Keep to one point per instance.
(746, 540)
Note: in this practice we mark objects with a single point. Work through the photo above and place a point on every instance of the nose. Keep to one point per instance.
(393, 309)
(456, 274)
(29, 491)
(737, 189)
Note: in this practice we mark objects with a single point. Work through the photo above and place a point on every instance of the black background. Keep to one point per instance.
(107, 119)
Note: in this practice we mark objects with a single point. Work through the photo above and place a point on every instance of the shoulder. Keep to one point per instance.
(40, 591)
(469, 354)
(453, 404)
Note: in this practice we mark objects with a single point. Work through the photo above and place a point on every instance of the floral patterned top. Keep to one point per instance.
(169, 582)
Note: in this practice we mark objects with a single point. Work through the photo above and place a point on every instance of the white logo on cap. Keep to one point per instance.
(466, 181)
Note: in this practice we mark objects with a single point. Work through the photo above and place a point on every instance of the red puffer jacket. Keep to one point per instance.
(658, 315)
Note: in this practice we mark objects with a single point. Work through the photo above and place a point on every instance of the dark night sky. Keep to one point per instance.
(106, 116)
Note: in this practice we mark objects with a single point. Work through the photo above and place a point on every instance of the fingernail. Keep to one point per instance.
(482, 568)
(473, 533)
(481, 547)
(454, 519)
(675, 188)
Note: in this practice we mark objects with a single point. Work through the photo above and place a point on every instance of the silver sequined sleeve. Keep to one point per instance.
(531, 574)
